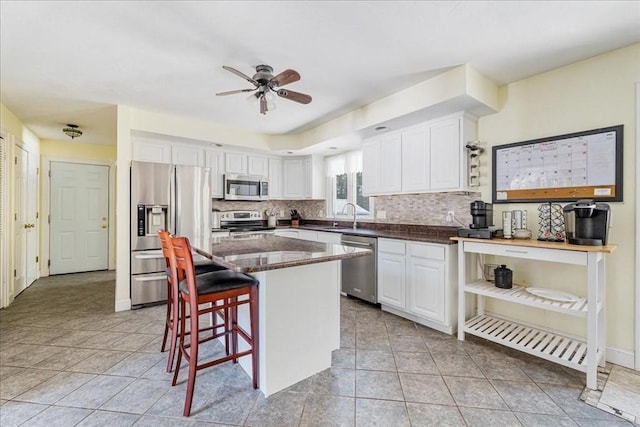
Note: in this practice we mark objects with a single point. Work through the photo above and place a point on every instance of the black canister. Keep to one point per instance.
(503, 277)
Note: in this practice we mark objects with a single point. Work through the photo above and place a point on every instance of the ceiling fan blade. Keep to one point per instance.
(291, 95)
(285, 77)
(231, 92)
(240, 74)
(263, 105)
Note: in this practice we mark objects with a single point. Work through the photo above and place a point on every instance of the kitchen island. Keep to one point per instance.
(299, 301)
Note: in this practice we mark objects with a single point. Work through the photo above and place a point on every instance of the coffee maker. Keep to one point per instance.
(481, 214)
(587, 222)
(482, 222)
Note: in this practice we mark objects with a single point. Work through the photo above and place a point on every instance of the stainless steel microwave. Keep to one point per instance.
(246, 187)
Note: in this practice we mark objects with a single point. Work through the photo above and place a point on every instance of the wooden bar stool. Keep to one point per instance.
(223, 290)
(173, 315)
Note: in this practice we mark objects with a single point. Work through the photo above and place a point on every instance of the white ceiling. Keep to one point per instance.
(72, 62)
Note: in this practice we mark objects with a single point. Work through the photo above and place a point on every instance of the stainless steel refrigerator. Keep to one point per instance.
(171, 197)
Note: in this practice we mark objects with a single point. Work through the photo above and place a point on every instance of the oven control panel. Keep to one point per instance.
(240, 215)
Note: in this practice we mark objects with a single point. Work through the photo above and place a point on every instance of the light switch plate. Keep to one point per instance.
(381, 214)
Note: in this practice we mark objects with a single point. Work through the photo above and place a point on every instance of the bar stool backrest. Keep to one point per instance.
(184, 260)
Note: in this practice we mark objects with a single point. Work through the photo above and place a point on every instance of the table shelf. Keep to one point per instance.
(519, 294)
(570, 352)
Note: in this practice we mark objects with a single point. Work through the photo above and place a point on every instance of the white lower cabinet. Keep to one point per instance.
(312, 235)
(392, 273)
(418, 281)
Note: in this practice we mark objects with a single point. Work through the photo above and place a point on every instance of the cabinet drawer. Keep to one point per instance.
(427, 251)
(391, 246)
(527, 252)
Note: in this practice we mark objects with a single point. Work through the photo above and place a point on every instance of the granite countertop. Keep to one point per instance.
(428, 234)
(253, 253)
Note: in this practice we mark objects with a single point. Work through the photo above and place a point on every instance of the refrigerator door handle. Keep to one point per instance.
(173, 226)
(177, 205)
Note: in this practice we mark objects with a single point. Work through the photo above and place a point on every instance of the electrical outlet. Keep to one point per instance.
(281, 213)
(450, 216)
(381, 214)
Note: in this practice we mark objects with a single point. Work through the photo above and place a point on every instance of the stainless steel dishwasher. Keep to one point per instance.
(359, 275)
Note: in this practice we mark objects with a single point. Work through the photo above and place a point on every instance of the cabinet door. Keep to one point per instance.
(293, 175)
(275, 178)
(214, 162)
(426, 288)
(151, 151)
(258, 165)
(235, 163)
(391, 280)
(390, 170)
(445, 154)
(188, 155)
(308, 235)
(370, 167)
(287, 232)
(415, 159)
(329, 237)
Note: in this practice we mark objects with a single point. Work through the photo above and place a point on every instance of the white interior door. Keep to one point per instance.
(21, 223)
(31, 214)
(79, 217)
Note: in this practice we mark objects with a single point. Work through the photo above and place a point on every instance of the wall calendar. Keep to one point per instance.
(582, 165)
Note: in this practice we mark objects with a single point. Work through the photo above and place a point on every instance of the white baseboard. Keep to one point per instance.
(621, 356)
(123, 304)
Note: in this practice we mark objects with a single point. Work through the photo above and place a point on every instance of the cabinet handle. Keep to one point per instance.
(516, 251)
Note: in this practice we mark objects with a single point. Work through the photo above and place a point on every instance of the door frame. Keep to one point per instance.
(46, 208)
(6, 254)
(637, 249)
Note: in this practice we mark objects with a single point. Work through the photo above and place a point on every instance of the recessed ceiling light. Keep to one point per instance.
(380, 128)
(289, 152)
(333, 148)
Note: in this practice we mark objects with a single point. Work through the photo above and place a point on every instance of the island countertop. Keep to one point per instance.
(253, 253)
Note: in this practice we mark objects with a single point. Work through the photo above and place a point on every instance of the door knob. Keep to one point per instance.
(104, 225)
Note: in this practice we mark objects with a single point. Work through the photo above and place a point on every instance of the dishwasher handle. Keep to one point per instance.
(349, 242)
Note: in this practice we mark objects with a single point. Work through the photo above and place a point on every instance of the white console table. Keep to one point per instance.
(580, 354)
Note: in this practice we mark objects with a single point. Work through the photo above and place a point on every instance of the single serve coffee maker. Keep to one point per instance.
(482, 222)
(481, 214)
(587, 222)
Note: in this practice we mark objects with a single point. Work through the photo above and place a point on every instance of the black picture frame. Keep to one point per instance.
(561, 193)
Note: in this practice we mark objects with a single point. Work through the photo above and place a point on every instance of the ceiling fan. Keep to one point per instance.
(266, 84)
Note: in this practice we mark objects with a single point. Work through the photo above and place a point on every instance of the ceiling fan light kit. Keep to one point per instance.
(266, 84)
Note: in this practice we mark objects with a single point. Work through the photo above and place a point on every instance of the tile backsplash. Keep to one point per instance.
(425, 209)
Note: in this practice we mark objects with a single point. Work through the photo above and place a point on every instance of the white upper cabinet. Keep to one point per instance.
(275, 178)
(258, 165)
(428, 157)
(294, 178)
(445, 154)
(151, 151)
(244, 164)
(371, 166)
(235, 163)
(303, 177)
(382, 164)
(390, 163)
(214, 161)
(189, 155)
(415, 159)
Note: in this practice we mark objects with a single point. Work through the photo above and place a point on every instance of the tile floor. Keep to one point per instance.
(67, 359)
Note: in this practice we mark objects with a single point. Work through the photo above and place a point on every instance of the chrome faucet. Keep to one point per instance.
(355, 223)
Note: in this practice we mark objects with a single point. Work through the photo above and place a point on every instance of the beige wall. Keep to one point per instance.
(77, 150)
(590, 94)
